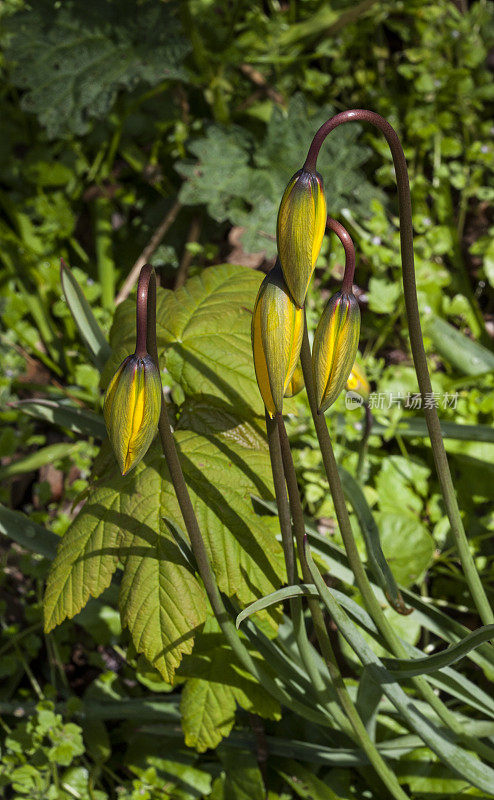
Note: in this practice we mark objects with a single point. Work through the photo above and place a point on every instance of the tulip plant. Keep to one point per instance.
(134, 410)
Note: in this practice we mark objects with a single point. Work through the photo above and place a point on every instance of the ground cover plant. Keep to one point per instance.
(166, 134)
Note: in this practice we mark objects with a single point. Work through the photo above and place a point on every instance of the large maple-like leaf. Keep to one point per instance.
(203, 334)
(161, 601)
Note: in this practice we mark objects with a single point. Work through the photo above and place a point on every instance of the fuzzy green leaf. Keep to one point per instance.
(74, 59)
(244, 183)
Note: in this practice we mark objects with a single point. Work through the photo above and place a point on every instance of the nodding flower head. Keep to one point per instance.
(335, 347)
(132, 408)
(357, 382)
(300, 230)
(277, 329)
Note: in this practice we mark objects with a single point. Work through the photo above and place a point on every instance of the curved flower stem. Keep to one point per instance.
(370, 600)
(416, 341)
(349, 248)
(146, 313)
(385, 773)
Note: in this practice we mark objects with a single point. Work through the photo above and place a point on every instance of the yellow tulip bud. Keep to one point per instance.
(357, 382)
(132, 408)
(335, 346)
(300, 230)
(297, 382)
(277, 329)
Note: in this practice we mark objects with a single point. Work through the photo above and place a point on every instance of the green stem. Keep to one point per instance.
(296, 610)
(416, 340)
(359, 729)
(370, 600)
(146, 292)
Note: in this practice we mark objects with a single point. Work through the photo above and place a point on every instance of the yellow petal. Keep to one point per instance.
(335, 346)
(300, 230)
(277, 329)
(131, 409)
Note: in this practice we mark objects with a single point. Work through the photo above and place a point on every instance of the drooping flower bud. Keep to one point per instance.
(300, 230)
(297, 382)
(277, 329)
(132, 408)
(357, 382)
(335, 346)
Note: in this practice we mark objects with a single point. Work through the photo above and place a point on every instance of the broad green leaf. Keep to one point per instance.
(21, 529)
(407, 546)
(124, 517)
(87, 556)
(73, 60)
(160, 601)
(213, 416)
(65, 414)
(241, 544)
(458, 759)
(242, 778)
(459, 351)
(91, 333)
(204, 335)
(208, 706)
(216, 683)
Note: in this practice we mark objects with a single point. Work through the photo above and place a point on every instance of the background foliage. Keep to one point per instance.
(112, 114)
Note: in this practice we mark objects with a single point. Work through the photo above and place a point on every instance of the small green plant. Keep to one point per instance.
(155, 518)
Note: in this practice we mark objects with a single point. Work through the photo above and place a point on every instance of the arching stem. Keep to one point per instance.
(416, 340)
(347, 242)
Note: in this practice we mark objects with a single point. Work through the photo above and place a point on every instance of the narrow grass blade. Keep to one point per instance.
(89, 328)
(33, 461)
(299, 590)
(370, 532)
(431, 617)
(449, 430)
(449, 681)
(368, 698)
(405, 668)
(28, 534)
(78, 420)
(459, 760)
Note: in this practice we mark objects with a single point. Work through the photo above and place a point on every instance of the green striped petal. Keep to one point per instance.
(132, 408)
(335, 347)
(300, 230)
